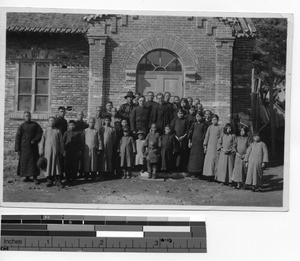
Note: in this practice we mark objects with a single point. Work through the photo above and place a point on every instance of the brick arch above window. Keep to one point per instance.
(188, 58)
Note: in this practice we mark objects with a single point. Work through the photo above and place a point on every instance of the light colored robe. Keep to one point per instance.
(256, 154)
(226, 160)
(91, 143)
(240, 147)
(108, 137)
(211, 157)
(51, 147)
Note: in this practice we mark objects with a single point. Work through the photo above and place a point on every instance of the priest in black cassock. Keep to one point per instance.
(28, 136)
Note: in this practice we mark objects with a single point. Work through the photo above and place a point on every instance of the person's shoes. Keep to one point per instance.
(49, 183)
(36, 181)
(27, 179)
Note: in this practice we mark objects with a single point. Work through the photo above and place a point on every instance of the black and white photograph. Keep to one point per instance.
(138, 109)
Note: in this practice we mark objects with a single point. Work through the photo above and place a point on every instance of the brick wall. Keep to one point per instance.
(242, 66)
(68, 56)
(192, 39)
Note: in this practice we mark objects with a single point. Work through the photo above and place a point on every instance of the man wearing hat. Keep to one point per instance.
(126, 108)
(139, 117)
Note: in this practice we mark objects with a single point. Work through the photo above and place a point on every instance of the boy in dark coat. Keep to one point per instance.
(72, 144)
(169, 147)
(28, 136)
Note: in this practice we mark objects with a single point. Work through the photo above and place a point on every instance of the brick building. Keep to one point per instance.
(81, 61)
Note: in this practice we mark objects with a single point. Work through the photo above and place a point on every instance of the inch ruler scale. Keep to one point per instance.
(102, 233)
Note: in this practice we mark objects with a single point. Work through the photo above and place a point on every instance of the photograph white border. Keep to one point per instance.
(286, 170)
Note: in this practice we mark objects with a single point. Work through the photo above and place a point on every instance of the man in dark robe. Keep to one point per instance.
(28, 136)
(162, 114)
(126, 108)
(62, 125)
(139, 117)
(152, 105)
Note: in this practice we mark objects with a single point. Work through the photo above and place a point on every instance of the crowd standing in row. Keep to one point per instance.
(148, 136)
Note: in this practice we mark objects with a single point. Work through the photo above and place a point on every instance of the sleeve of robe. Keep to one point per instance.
(132, 118)
(191, 131)
(246, 158)
(265, 153)
(42, 144)
(205, 127)
(220, 142)
(38, 135)
(206, 136)
(234, 145)
(233, 142)
(99, 144)
(18, 139)
(64, 139)
(61, 145)
(133, 145)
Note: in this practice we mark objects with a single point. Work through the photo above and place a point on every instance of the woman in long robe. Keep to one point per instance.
(196, 137)
(212, 136)
(240, 146)
(255, 158)
(226, 158)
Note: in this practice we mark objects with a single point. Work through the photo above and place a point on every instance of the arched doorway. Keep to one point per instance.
(160, 71)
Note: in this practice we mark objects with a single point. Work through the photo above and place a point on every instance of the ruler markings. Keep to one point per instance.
(68, 233)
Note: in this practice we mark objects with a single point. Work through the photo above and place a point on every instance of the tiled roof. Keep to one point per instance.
(78, 23)
(46, 23)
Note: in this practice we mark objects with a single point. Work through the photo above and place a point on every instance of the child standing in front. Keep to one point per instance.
(226, 157)
(139, 157)
(256, 157)
(240, 146)
(212, 136)
(72, 151)
(152, 146)
(169, 147)
(52, 148)
(180, 126)
(92, 148)
(127, 151)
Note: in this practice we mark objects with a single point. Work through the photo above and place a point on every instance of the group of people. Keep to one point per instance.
(146, 135)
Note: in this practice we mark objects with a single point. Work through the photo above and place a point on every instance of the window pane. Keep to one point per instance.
(166, 58)
(41, 103)
(24, 103)
(42, 70)
(154, 58)
(25, 86)
(25, 69)
(41, 87)
(174, 66)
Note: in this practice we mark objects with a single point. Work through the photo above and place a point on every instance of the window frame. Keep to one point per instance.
(33, 94)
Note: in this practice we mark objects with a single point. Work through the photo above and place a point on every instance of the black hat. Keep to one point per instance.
(42, 163)
(129, 94)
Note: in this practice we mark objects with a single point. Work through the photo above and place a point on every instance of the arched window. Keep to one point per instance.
(159, 60)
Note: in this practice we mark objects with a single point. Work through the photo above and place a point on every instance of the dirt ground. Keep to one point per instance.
(137, 190)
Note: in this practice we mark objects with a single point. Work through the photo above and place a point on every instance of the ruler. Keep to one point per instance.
(102, 233)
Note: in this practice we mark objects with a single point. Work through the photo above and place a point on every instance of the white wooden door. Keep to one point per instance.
(160, 81)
